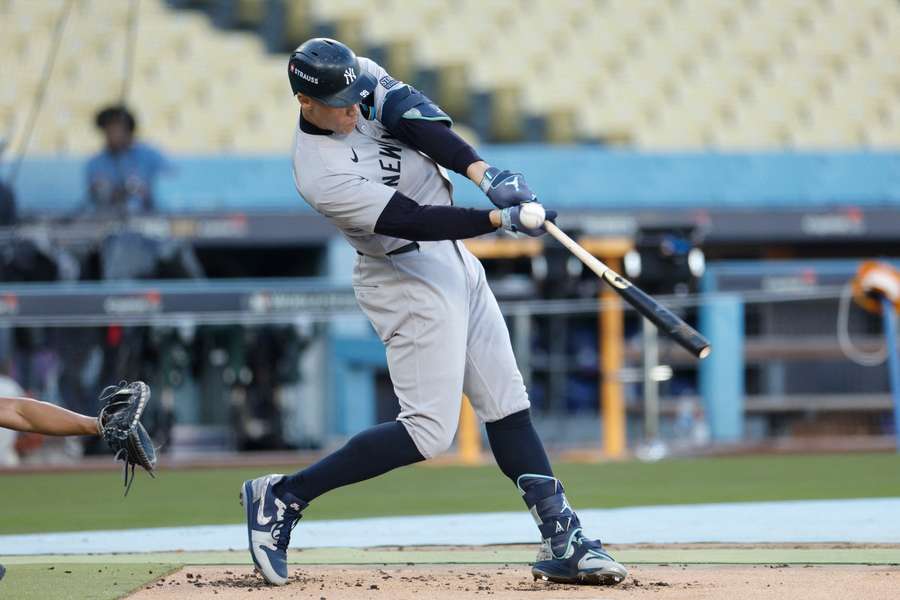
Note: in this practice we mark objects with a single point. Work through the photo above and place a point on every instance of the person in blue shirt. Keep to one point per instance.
(121, 177)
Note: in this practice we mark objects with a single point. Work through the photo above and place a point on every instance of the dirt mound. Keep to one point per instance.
(508, 582)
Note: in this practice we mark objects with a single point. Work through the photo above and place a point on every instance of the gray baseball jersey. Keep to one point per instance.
(350, 178)
(440, 323)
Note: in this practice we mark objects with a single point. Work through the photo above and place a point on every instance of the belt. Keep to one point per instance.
(401, 250)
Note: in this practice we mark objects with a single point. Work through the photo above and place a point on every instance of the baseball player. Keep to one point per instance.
(370, 154)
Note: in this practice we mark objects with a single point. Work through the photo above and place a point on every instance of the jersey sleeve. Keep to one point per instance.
(394, 99)
(385, 84)
(351, 201)
(415, 120)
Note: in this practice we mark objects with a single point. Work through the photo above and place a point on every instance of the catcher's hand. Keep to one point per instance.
(120, 426)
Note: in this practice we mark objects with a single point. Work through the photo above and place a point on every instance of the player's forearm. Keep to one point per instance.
(26, 414)
(404, 218)
(439, 142)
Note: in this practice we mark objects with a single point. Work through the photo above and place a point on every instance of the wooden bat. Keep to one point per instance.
(658, 314)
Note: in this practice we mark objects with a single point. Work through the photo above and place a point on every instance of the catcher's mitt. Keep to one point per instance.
(120, 426)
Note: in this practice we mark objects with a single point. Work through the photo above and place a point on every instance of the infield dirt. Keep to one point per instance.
(507, 582)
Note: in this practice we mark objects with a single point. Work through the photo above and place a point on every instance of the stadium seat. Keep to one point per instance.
(654, 73)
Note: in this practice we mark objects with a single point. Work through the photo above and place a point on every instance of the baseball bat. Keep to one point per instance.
(688, 337)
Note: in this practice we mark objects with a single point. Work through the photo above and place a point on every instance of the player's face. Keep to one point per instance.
(338, 120)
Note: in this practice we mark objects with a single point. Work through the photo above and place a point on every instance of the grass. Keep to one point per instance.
(84, 581)
(697, 554)
(86, 501)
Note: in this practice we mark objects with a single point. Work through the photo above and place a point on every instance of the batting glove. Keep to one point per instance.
(505, 188)
(510, 221)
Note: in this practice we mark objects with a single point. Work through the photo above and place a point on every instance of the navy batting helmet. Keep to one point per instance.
(328, 71)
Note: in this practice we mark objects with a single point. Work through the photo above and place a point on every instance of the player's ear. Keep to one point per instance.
(303, 100)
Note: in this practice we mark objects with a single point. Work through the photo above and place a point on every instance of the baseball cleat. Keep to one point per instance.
(566, 556)
(585, 562)
(270, 520)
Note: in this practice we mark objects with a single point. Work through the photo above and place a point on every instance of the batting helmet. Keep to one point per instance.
(328, 71)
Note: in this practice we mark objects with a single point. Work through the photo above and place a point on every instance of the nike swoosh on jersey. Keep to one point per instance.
(355, 157)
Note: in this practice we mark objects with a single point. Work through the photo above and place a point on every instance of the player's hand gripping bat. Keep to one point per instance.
(658, 314)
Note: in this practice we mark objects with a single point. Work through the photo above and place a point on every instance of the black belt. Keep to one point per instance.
(401, 250)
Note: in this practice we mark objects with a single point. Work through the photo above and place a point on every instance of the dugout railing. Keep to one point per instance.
(767, 384)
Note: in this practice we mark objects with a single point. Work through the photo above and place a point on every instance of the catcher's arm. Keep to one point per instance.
(34, 416)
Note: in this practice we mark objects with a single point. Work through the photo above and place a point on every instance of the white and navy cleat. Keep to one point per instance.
(270, 520)
(585, 562)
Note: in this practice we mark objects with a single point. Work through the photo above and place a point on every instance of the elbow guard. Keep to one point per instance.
(409, 103)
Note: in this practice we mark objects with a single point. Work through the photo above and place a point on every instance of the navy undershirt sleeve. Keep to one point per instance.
(406, 219)
(438, 141)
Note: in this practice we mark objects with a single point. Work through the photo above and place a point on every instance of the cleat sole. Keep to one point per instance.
(604, 579)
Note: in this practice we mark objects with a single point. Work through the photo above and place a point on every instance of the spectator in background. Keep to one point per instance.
(121, 177)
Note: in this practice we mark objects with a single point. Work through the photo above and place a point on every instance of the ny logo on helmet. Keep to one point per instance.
(349, 75)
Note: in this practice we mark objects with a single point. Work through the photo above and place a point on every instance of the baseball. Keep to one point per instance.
(531, 215)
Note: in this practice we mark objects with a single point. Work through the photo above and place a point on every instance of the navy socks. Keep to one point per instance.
(521, 456)
(368, 454)
(516, 446)
(514, 442)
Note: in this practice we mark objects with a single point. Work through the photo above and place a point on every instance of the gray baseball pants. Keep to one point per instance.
(444, 336)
